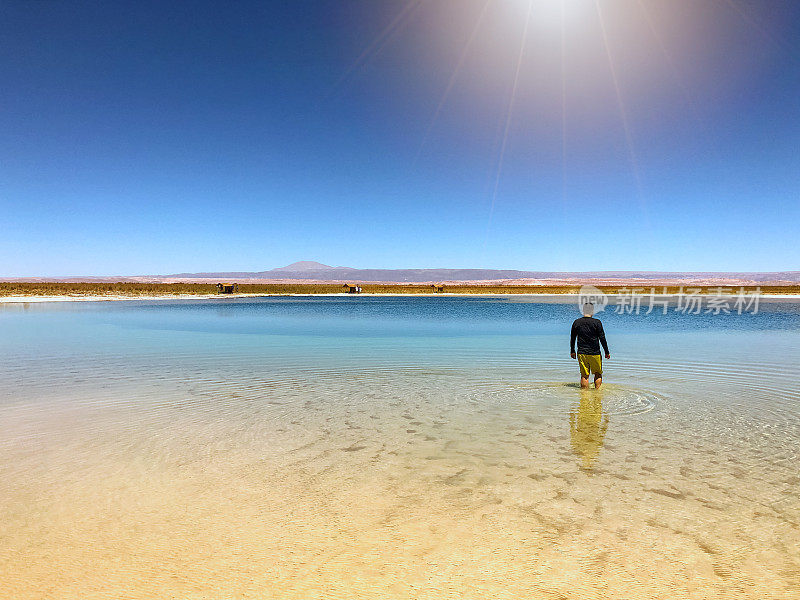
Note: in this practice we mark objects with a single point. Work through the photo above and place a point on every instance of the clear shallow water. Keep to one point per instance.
(395, 447)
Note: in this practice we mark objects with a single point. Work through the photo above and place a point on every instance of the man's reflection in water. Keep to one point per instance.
(587, 427)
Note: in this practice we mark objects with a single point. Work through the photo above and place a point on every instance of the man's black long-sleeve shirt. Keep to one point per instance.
(589, 333)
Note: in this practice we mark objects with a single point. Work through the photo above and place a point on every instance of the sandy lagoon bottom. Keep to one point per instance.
(204, 477)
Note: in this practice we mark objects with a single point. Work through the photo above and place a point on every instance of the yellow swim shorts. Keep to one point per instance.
(590, 363)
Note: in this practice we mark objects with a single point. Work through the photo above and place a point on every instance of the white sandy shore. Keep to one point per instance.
(119, 297)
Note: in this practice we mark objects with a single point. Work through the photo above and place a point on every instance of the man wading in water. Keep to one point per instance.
(589, 333)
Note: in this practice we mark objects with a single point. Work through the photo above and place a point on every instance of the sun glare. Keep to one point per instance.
(556, 12)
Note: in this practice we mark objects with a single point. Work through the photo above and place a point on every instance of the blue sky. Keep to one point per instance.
(164, 137)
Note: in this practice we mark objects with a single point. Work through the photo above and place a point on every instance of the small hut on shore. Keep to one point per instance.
(227, 288)
(437, 288)
(351, 289)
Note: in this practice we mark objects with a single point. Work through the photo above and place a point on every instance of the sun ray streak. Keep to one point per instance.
(379, 42)
(634, 162)
(747, 17)
(667, 55)
(563, 112)
(676, 74)
(453, 77)
(509, 113)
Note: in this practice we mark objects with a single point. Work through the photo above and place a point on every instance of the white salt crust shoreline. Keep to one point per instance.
(117, 297)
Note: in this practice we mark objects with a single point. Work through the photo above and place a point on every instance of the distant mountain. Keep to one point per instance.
(310, 270)
(302, 266)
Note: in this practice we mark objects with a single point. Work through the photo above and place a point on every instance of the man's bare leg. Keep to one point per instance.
(584, 381)
(598, 381)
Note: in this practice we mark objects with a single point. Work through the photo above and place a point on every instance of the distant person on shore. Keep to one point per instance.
(589, 333)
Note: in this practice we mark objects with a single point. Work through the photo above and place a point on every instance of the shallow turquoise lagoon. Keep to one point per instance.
(395, 447)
